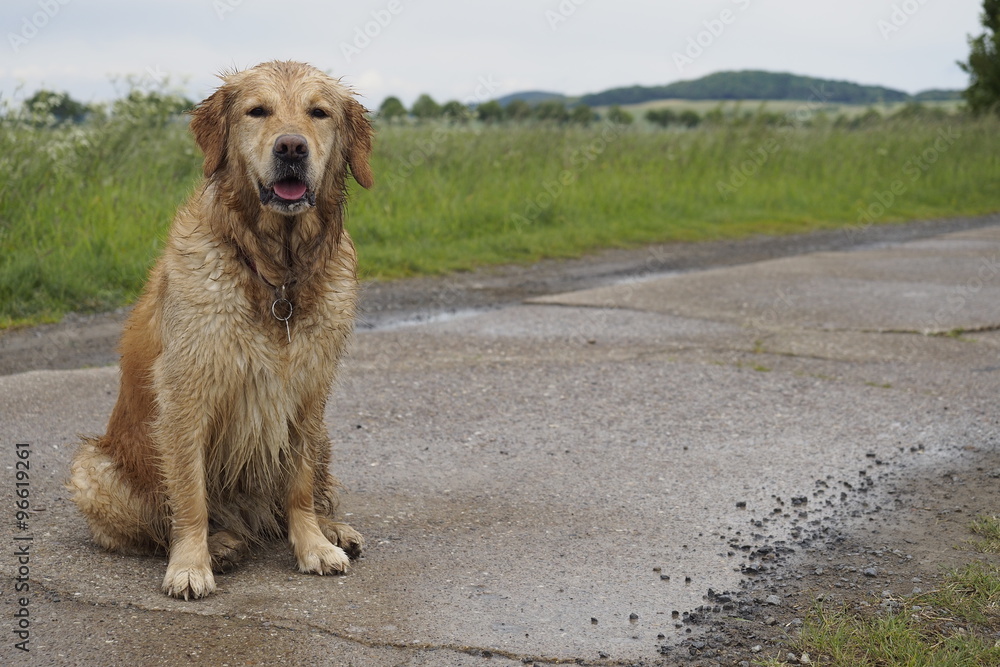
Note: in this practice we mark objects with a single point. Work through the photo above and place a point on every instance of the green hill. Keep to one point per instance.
(751, 85)
(531, 97)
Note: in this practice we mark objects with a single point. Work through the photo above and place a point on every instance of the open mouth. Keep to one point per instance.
(287, 193)
(291, 189)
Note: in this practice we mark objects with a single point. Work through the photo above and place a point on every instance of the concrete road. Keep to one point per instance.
(556, 481)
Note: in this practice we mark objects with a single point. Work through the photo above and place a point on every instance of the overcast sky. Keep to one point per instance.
(480, 50)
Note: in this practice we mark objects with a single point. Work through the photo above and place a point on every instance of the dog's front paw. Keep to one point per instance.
(323, 559)
(188, 583)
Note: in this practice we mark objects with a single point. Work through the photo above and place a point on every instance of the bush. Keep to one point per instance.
(869, 118)
(151, 106)
(517, 110)
(690, 118)
(552, 110)
(490, 112)
(619, 116)
(425, 108)
(47, 107)
(456, 112)
(583, 115)
(391, 109)
(915, 111)
(661, 117)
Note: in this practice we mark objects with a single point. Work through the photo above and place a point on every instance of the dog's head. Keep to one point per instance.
(284, 133)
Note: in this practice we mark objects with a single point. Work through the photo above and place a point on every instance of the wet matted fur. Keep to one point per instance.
(217, 439)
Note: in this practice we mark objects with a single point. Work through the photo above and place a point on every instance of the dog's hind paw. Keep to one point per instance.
(188, 583)
(343, 536)
(323, 559)
(227, 551)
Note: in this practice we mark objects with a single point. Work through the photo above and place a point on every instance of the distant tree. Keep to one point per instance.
(391, 109)
(152, 105)
(919, 112)
(690, 118)
(517, 110)
(582, 114)
(983, 68)
(61, 107)
(619, 116)
(456, 112)
(716, 116)
(552, 110)
(661, 117)
(768, 118)
(490, 112)
(869, 118)
(425, 108)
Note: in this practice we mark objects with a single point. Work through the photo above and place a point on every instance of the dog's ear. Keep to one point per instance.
(359, 148)
(208, 125)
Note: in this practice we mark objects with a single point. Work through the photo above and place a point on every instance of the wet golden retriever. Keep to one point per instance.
(217, 439)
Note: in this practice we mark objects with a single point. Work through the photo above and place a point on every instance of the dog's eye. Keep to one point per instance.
(318, 113)
(257, 112)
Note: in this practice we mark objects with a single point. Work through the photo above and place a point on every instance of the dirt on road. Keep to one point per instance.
(83, 340)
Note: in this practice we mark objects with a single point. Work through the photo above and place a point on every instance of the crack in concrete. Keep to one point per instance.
(292, 625)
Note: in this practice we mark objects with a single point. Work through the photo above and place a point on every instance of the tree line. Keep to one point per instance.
(425, 108)
(46, 107)
(981, 96)
(49, 107)
(518, 110)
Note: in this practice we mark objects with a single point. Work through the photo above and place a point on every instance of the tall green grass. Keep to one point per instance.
(84, 209)
(520, 194)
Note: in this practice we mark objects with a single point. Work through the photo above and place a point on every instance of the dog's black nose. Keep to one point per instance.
(291, 147)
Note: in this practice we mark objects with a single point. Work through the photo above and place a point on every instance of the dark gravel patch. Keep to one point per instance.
(890, 537)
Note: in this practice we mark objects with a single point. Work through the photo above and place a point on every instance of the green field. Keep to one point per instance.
(809, 109)
(84, 208)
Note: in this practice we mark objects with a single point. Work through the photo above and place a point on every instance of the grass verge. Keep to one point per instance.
(954, 626)
(84, 209)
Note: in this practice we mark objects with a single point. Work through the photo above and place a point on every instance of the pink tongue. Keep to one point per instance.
(290, 190)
